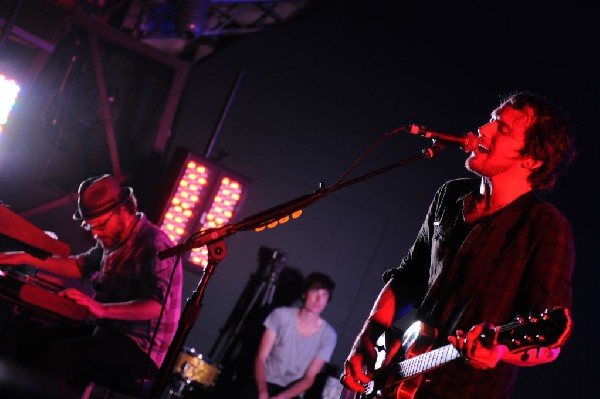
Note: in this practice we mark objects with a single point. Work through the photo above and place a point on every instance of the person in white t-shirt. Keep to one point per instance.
(296, 343)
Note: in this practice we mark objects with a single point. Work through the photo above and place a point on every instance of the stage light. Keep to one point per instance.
(191, 18)
(9, 90)
(202, 196)
(271, 224)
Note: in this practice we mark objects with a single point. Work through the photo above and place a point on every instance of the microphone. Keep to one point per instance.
(467, 142)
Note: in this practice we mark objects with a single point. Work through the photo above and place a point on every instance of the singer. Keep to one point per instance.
(490, 249)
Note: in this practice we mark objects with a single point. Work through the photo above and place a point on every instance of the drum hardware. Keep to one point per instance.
(193, 371)
(179, 391)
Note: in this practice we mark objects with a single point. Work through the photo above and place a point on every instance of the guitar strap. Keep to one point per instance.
(505, 220)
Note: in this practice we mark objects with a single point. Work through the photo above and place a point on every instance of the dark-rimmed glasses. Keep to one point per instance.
(89, 227)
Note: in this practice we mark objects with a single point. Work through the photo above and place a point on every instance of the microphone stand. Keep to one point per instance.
(213, 239)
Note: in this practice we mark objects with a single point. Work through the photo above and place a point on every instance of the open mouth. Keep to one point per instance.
(482, 149)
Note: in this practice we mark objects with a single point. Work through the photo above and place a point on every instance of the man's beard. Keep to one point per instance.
(107, 242)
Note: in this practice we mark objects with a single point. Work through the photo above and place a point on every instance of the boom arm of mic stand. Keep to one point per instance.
(425, 153)
(251, 222)
(286, 208)
(207, 237)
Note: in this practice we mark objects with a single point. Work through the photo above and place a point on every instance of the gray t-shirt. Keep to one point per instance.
(292, 353)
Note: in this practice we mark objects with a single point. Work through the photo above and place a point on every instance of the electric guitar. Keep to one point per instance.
(401, 379)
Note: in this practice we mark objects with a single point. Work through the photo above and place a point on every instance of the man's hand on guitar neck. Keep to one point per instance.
(478, 354)
(484, 356)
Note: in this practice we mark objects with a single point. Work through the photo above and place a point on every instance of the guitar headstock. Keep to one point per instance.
(543, 329)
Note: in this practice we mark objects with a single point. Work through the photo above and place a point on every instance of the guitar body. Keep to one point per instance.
(417, 339)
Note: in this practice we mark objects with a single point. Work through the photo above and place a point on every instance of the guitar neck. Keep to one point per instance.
(427, 361)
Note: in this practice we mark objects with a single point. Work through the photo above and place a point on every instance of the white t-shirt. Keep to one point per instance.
(291, 353)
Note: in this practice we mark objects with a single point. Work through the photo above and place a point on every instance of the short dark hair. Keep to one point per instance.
(317, 280)
(550, 138)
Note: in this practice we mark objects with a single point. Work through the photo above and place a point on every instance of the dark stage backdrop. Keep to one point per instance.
(317, 93)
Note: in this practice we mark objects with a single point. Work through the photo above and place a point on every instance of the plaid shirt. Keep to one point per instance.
(133, 271)
(529, 273)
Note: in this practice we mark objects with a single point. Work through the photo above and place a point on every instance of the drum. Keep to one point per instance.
(194, 367)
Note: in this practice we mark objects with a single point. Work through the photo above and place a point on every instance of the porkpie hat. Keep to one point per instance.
(99, 195)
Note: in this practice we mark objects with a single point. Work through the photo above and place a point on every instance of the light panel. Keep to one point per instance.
(221, 211)
(185, 201)
(202, 195)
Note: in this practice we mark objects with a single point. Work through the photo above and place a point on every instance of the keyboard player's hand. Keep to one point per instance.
(94, 307)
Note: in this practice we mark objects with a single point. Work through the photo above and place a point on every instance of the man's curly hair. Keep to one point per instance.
(550, 138)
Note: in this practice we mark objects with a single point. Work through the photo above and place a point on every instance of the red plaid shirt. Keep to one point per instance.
(134, 271)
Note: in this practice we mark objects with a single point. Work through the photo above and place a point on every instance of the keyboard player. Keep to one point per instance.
(137, 300)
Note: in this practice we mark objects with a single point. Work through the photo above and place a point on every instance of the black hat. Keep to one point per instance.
(100, 195)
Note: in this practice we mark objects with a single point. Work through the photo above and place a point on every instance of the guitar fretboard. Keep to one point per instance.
(427, 361)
